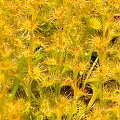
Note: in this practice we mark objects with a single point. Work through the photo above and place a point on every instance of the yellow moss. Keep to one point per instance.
(6, 65)
(1, 11)
(48, 80)
(118, 54)
(63, 102)
(28, 25)
(65, 43)
(67, 109)
(2, 76)
(17, 42)
(51, 61)
(58, 112)
(13, 115)
(34, 73)
(115, 3)
(27, 4)
(45, 108)
(95, 24)
(27, 107)
(80, 93)
(70, 1)
(39, 1)
(7, 31)
(7, 5)
(97, 2)
(82, 67)
(9, 106)
(82, 3)
(66, 82)
(19, 105)
(79, 2)
(59, 13)
(5, 52)
(107, 95)
(103, 10)
(97, 42)
(2, 22)
(94, 78)
(26, 53)
(15, 11)
(103, 71)
(76, 51)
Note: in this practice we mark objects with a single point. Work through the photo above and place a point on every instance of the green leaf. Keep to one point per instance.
(40, 117)
(15, 86)
(72, 111)
(38, 58)
(72, 42)
(36, 54)
(95, 94)
(89, 55)
(17, 80)
(65, 69)
(26, 92)
(20, 63)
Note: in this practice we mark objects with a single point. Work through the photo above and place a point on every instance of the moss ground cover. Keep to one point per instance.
(59, 59)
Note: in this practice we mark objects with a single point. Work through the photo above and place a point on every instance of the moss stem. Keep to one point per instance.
(30, 60)
(75, 73)
(59, 49)
(3, 101)
(63, 4)
(3, 105)
(69, 15)
(103, 18)
(75, 86)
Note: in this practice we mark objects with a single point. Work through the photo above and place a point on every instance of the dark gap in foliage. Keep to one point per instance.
(46, 29)
(34, 89)
(64, 117)
(114, 40)
(88, 89)
(80, 80)
(37, 48)
(85, 99)
(116, 16)
(67, 90)
(93, 58)
(110, 85)
(20, 93)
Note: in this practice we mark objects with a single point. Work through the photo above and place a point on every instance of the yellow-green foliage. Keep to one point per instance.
(60, 59)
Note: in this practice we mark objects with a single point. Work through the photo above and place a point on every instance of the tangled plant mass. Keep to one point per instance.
(59, 59)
